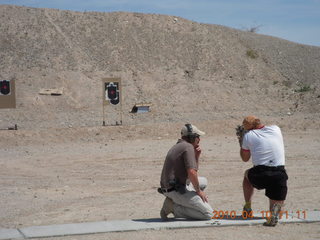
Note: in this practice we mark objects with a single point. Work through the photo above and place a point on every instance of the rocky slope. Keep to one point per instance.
(187, 71)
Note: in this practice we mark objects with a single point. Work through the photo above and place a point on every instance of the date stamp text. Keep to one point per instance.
(219, 214)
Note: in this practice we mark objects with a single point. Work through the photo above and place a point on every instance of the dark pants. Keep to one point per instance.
(273, 179)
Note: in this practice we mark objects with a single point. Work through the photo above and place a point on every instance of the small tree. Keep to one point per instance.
(253, 29)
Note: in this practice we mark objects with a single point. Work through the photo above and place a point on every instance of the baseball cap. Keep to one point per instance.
(189, 130)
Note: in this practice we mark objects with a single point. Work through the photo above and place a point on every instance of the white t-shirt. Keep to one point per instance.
(265, 145)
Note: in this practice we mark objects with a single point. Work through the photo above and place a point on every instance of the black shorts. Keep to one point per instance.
(273, 179)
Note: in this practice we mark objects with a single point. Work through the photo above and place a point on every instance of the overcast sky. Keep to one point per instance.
(294, 20)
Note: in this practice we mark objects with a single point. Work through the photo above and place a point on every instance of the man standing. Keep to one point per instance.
(264, 144)
(179, 179)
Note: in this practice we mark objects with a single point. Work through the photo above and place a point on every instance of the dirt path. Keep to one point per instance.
(98, 179)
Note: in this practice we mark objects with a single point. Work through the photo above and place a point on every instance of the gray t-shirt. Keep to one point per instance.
(179, 158)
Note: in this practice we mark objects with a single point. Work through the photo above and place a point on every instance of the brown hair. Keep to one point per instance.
(251, 122)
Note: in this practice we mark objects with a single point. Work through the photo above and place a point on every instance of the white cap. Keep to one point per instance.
(189, 130)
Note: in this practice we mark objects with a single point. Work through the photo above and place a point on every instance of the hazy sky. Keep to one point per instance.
(294, 20)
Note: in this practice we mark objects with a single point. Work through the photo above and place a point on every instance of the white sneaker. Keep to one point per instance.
(273, 220)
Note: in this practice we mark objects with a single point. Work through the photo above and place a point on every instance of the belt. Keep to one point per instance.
(280, 167)
(165, 190)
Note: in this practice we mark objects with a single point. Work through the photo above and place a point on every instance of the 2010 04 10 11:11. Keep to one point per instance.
(219, 214)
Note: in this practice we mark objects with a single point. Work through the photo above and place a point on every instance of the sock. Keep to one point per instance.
(247, 205)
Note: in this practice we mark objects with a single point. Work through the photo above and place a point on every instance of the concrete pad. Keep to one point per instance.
(308, 216)
(146, 224)
(81, 228)
(10, 234)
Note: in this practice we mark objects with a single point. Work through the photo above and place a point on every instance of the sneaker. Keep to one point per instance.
(273, 220)
(166, 209)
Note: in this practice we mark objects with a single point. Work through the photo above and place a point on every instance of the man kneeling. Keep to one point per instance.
(264, 144)
(180, 182)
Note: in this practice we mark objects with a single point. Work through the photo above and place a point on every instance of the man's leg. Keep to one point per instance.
(278, 190)
(248, 191)
(190, 205)
(273, 202)
(275, 209)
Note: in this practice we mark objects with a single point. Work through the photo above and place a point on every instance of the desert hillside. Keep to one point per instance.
(63, 167)
(187, 71)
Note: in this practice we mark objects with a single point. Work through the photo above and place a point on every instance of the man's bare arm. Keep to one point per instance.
(193, 177)
(245, 155)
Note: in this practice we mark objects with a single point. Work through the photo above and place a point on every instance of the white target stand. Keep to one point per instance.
(112, 98)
